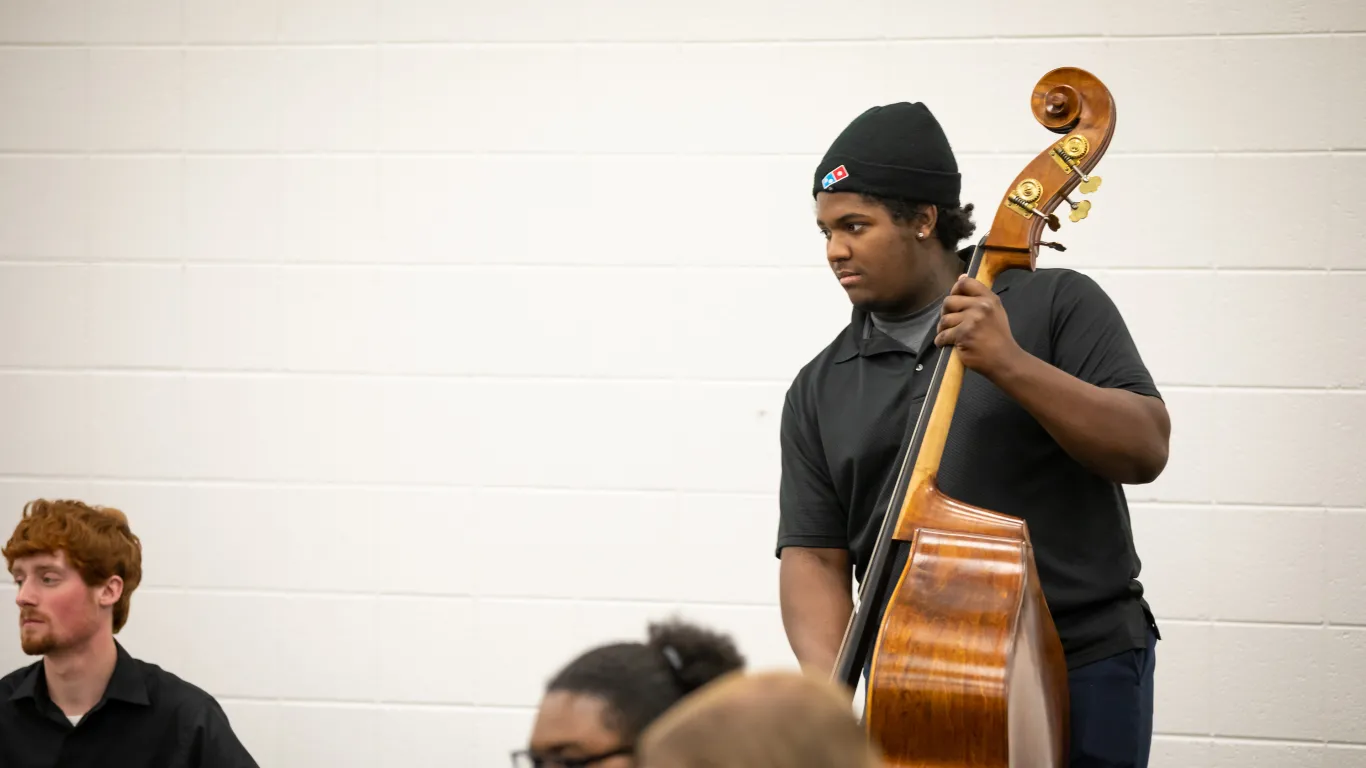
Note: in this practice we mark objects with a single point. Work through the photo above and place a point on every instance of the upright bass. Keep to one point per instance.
(966, 665)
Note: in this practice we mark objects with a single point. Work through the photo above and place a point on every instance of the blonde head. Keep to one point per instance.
(762, 720)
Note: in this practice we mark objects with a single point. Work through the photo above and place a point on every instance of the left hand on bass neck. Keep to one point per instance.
(974, 320)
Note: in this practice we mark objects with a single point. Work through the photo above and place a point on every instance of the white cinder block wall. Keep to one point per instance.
(428, 343)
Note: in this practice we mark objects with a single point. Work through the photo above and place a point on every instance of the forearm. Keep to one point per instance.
(1117, 434)
(816, 601)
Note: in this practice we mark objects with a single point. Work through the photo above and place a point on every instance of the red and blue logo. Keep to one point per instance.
(834, 176)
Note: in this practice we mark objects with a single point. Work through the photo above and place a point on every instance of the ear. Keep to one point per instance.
(931, 216)
(110, 592)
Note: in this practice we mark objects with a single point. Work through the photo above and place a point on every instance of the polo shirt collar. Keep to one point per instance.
(127, 684)
(852, 344)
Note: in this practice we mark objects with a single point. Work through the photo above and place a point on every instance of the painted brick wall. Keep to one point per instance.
(428, 343)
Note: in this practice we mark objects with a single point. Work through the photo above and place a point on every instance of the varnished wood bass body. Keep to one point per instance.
(967, 669)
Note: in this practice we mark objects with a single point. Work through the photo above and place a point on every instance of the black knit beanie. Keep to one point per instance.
(898, 150)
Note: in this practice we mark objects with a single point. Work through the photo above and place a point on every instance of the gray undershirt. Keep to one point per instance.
(911, 329)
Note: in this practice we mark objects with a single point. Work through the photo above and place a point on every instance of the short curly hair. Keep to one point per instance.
(953, 224)
(639, 681)
(97, 542)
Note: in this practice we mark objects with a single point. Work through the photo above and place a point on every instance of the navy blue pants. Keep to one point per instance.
(1112, 709)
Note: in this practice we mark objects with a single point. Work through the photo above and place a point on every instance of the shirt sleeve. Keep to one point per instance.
(1091, 340)
(810, 512)
(216, 746)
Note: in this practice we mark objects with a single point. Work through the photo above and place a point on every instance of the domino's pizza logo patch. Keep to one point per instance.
(834, 176)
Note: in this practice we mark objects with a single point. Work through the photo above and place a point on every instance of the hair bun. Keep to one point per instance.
(695, 655)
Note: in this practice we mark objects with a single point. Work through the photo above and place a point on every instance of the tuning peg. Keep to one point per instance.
(1064, 156)
(1079, 210)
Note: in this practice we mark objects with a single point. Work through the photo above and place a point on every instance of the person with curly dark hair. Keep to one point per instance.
(596, 707)
(1057, 414)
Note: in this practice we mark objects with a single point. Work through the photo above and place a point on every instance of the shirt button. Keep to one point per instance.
(920, 366)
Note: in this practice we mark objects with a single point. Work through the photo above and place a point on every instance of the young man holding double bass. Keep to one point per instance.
(1057, 412)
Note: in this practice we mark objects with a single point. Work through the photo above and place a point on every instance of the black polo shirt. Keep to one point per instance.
(147, 718)
(847, 418)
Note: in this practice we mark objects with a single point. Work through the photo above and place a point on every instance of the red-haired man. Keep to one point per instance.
(88, 702)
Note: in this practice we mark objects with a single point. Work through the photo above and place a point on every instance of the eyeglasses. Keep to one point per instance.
(525, 758)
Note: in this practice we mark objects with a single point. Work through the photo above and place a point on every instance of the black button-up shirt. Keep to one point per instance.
(147, 718)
